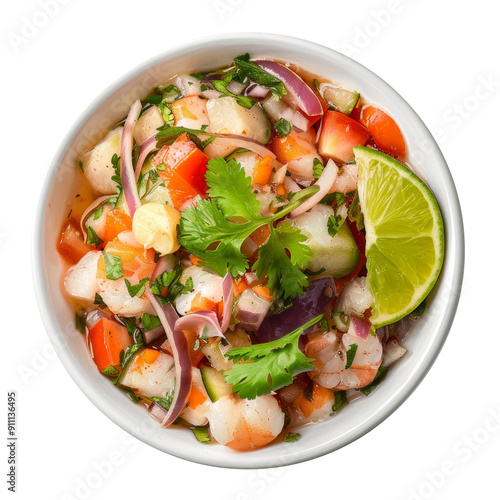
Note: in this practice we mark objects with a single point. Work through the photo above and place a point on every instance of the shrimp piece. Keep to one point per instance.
(355, 298)
(80, 281)
(330, 354)
(115, 295)
(347, 180)
(199, 402)
(206, 294)
(318, 408)
(245, 424)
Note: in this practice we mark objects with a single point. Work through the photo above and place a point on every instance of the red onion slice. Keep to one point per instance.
(151, 335)
(89, 210)
(204, 323)
(180, 353)
(325, 183)
(256, 91)
(146, 148)
(127, 173)
(359, 327)
(301, 93)
(233, 141)
(291, 185)
(227, 301)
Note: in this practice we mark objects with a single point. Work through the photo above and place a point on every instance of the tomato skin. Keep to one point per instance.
(116, 222)
(293, 146)
(107, 339)
(339, 135)
(71, 245)
(384, 130)
(185, 169)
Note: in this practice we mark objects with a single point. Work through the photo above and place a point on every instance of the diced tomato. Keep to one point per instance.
(71, 245)
(201, 303)
(291, 147)
(150, 356)
(196, 398)
(356, 113)
(107, 339)
(134, 260)
(339, 135)
(263, 171)
(239, 287)
(384, 130)
(359, 238)
(116, 222)
(185, 169)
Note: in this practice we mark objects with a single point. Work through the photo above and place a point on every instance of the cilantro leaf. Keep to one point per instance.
(382, 372)
(255, 73)
(291, 437)
(242, 100)
(92, 238)
(284, 276)
(317, 168)
(166, 113)
(110, 371)
(132, 350)
(283, 127)
(113, 265)
(231, 187)
(334, 222)
(355, 214)
(340, 400)
(169, 280)
(167, 135)
(115, 161)
(350, 354)
(201, 434)
(150, 322)
(272, 365)
(80, 321)
(137, 290)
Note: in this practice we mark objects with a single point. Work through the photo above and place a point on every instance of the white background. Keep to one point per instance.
(438, 56)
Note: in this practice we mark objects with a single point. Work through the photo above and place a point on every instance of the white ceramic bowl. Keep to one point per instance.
(424, 343)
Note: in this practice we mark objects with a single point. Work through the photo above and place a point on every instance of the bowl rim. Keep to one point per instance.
(455, 238)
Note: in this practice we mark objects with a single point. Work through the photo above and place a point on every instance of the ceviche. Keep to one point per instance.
(250, 251)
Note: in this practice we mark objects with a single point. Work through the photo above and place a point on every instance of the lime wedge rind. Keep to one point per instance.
(374, 167)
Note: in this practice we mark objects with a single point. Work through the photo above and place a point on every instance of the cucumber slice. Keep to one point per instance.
(151, 380)
(97, 166)
(227, 116)
(338, 255)
(214, 383)
(342, 99)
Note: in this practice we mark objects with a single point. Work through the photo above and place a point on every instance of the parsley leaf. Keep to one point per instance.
(350, 354)
(317, 168)
(137, 290)
(284, 276)
(113, 265)
(188, 286)
(255, 73)
(165, 402)
(169, 94)
(166, 113)
(272, 365)
(283, 127)
(110, 371)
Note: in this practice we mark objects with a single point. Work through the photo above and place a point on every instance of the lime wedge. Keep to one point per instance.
(404, 235)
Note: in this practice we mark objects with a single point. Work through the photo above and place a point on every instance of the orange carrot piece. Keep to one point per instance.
(196, 398)
(150, 356)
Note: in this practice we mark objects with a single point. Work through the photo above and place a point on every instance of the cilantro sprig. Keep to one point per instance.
(216, 228)
(272, 365)
(255, 73)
